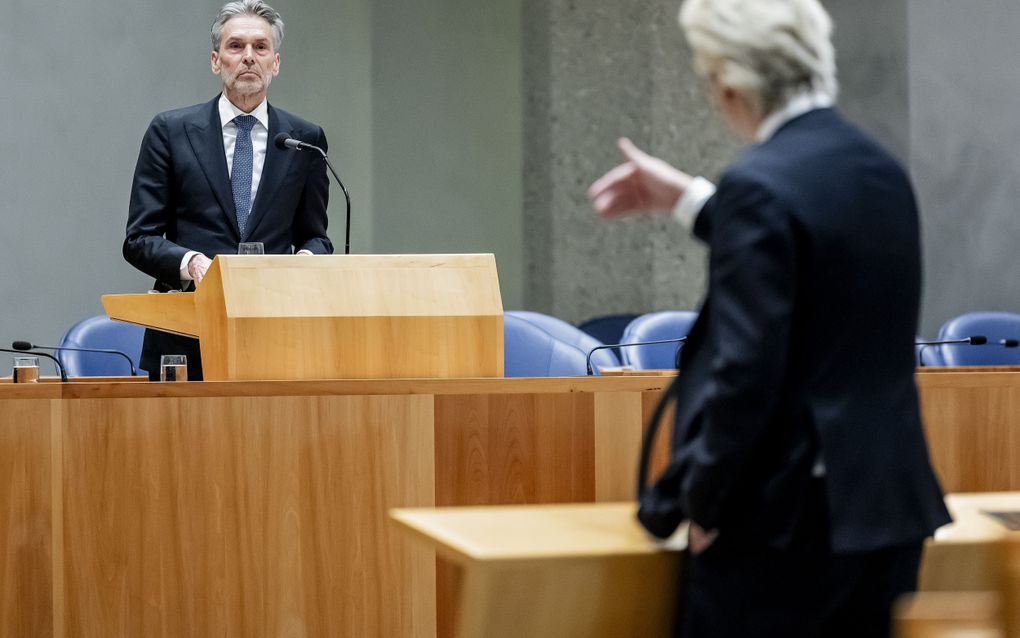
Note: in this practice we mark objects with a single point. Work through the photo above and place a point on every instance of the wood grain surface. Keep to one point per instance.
(336, 316)
(236, 509)
(26, 518)
(973, 427)
(246, 517)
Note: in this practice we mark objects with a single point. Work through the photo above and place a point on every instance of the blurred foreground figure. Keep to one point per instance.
(798, 454)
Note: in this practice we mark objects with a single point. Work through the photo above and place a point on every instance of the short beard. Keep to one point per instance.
(248, 88)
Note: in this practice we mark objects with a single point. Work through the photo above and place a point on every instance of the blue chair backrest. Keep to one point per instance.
(101, 332)
(608, 329)
(529, 351)
(669, 324)
(993, 325)
(570, 334)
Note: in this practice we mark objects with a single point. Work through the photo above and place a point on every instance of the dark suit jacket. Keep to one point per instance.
(181, 200)
(804, 350)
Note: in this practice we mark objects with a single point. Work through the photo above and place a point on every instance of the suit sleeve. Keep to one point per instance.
(150, 212)
(752, 275)
(310, 220)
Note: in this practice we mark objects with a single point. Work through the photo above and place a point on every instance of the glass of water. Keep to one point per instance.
(251, 248)
(173, 367)
(26, 369)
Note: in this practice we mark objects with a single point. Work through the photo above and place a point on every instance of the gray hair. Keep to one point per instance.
(255, 8)
(767, 50)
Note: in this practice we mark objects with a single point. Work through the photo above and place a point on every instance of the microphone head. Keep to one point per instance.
(978, 340)
(22, 345)
(1009, 343)
(281, 141)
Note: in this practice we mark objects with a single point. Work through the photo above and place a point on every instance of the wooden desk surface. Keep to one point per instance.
(85, 389)
(539, 532)
(971, 523)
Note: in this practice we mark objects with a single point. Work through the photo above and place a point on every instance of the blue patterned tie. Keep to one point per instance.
(240, 173)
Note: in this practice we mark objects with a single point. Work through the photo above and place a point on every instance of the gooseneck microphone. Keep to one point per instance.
(60, 368)
(285, 142)
(25, 346)
(976, 340)
(636, 343)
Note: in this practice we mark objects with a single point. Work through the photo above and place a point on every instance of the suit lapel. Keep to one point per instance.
(273, 171)
(205, 134)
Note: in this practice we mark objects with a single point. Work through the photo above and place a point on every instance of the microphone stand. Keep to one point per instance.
(131, 363)
(636, 343)
(60, 368)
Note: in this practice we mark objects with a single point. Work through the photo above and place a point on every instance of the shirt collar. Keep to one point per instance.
(228, 112)
(798, 105)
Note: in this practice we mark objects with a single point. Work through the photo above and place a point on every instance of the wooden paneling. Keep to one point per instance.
(507, 449)
(246, 517)
(26, 506)
(618, 429)
(515, 449)
(259, 509)
(664, 438)
(973, 429)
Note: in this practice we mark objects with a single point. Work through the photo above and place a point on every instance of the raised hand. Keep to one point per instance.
(642, 183)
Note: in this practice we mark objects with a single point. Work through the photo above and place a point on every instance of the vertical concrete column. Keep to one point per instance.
(594, 71)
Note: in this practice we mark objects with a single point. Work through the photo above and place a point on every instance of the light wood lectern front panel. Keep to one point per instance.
(296, 317)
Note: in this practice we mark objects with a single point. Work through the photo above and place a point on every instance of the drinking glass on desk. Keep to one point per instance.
(173, 367)
(26, 370)
(251, 248)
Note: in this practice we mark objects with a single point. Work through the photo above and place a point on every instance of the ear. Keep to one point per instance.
(276, 65)
(214, 62)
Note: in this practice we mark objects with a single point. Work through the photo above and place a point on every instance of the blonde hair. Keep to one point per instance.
(767, 50)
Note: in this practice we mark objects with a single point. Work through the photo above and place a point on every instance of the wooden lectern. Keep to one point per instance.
(262, 317)
(549, 571)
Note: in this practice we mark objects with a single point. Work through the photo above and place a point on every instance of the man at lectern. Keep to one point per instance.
(209, 176)
(798, 454)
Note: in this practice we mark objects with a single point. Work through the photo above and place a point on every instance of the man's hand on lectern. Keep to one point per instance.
(198, 266)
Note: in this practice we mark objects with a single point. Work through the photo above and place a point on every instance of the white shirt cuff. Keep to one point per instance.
(185, 275)
(304, 251)
(694, 198)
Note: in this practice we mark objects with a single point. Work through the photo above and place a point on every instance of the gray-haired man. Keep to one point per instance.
(208, 176)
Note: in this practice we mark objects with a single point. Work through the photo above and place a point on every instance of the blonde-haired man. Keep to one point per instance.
(798, 454)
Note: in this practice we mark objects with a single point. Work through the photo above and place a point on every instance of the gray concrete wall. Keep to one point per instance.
(965, 136)
(596, 71)
(872, 55)
(433, 129)
(82, 81)
(447, 133)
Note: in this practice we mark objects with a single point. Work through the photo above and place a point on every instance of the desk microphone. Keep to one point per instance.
(976, 340)
(285, 142)
(636, 343)
(1009, 343)
(25, 346)
(60, 368)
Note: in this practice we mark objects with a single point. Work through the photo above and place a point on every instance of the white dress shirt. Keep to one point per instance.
(701, 190)
(259, 144)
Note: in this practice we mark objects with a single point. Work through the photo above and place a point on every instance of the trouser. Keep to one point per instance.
(806, 591)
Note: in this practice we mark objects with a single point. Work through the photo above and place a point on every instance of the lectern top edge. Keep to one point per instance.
(505, 534)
